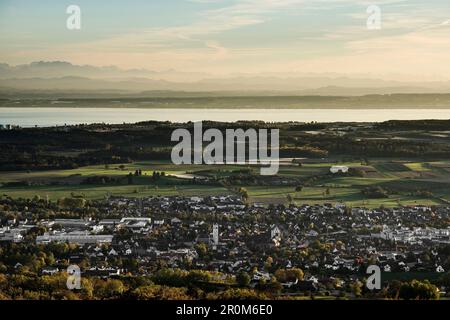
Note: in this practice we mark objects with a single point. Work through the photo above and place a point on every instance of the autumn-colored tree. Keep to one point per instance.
(156, 292)
(285, 275)
(243, 279)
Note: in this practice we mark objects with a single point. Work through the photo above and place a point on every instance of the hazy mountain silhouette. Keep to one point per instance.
(62, 76)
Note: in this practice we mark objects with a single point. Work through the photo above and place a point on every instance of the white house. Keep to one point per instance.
(113, 252)
(336, 169)
(258, 275)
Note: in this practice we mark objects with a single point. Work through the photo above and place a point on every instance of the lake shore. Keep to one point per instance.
(29, 117)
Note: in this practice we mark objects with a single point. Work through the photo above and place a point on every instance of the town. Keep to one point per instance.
(289, 250)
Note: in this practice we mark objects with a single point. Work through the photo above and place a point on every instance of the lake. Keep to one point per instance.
(28, 117)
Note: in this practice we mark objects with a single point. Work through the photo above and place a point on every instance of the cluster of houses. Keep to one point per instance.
(224, 234)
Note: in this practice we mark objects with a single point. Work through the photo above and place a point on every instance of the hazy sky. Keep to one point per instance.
(240, 36)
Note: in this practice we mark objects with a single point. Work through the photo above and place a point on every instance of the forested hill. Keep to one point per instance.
(75, 146)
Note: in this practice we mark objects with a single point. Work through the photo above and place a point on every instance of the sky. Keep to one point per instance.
(224, 37)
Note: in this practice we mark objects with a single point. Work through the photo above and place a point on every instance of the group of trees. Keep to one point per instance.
(32, 287)
(101, 180)
(68, 202)
(34, 148)
(375, 192)
(244, 194)
(289, 275)
(412, 290)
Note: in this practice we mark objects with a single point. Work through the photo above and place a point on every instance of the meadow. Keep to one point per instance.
(403, 178)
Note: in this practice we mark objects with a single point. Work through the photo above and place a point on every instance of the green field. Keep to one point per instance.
(327, 188)
(418, 166)
(98, 192)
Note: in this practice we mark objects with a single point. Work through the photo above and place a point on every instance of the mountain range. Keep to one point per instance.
(63, 77)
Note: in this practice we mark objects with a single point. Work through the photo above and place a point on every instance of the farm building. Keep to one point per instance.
(336, 169)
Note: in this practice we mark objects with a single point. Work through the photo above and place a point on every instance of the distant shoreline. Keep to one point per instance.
(55, 116)
(237, 107)
(392, 101)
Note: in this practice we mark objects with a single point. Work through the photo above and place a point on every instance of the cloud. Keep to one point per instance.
(332, 38)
